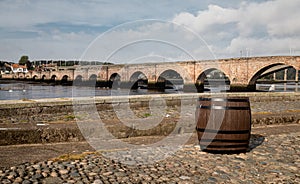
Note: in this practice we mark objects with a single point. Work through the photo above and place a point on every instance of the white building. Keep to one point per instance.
(16, 68)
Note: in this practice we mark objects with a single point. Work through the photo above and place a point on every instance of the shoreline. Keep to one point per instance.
(62, 120)
(254, 96)
(56, 154)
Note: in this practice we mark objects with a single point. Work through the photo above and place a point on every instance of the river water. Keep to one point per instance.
(18, 90)
(279, 87)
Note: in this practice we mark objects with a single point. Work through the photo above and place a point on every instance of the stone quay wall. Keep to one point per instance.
(57, 109)
(53, 120)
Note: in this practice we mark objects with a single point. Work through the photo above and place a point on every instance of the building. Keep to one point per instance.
(16, 68)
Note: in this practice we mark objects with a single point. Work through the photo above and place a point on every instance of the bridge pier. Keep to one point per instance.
(199, 87)
(242, 87)
(296, 80)
(160, 85)
(285, 79)
(190, 87)
(151, 85)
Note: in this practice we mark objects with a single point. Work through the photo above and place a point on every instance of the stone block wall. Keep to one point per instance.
(46, 110)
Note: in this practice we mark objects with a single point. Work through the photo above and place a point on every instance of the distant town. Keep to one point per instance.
(24, 65)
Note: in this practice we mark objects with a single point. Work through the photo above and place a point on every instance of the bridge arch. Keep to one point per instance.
(64, 79)
(53, 78)
(43, 77)
(92, 80)
(21, 76)
(170, 79)
(138, 79)
(114, 80)
(211, 79)
(78, 78)
(93, 77)
(267, 70)
(35, 77)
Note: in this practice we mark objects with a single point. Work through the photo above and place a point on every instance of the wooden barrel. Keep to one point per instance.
(224, 124)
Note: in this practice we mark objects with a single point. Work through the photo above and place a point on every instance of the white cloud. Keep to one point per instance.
(279, 18)
(144, 39)
(28, 13)
(63, 29)
(271, 26)
(205, 19)
(41, 28)
(259, 47)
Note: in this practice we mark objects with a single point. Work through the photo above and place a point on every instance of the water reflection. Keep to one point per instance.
(17, 90)
(279, 87)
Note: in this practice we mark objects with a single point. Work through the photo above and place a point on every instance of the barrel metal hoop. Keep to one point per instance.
(224, 99)
(224, 140)
(223, 131)
(218, 107)
(225, 146)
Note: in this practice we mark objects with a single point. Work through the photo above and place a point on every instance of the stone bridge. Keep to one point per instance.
(241, 72)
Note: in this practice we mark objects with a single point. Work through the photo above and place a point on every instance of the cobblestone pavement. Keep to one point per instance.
(271, 159)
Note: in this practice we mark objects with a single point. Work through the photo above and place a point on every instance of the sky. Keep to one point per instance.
(131, 31)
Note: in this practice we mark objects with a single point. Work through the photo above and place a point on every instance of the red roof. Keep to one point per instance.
(18, 66)
(15, 65)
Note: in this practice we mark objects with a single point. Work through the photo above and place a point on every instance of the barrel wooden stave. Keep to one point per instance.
(224, 124)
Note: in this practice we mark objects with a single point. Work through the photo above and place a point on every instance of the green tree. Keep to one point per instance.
(23, 60)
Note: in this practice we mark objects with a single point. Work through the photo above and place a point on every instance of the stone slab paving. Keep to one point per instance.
(271, 159)
(269, 107)
(275, 106)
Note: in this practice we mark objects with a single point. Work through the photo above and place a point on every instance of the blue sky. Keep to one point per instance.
(96, 29)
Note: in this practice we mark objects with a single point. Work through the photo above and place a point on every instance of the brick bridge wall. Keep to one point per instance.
(240, 71)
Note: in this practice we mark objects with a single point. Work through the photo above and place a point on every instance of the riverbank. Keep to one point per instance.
(56, 120)
(61, 154)
(62, 109)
